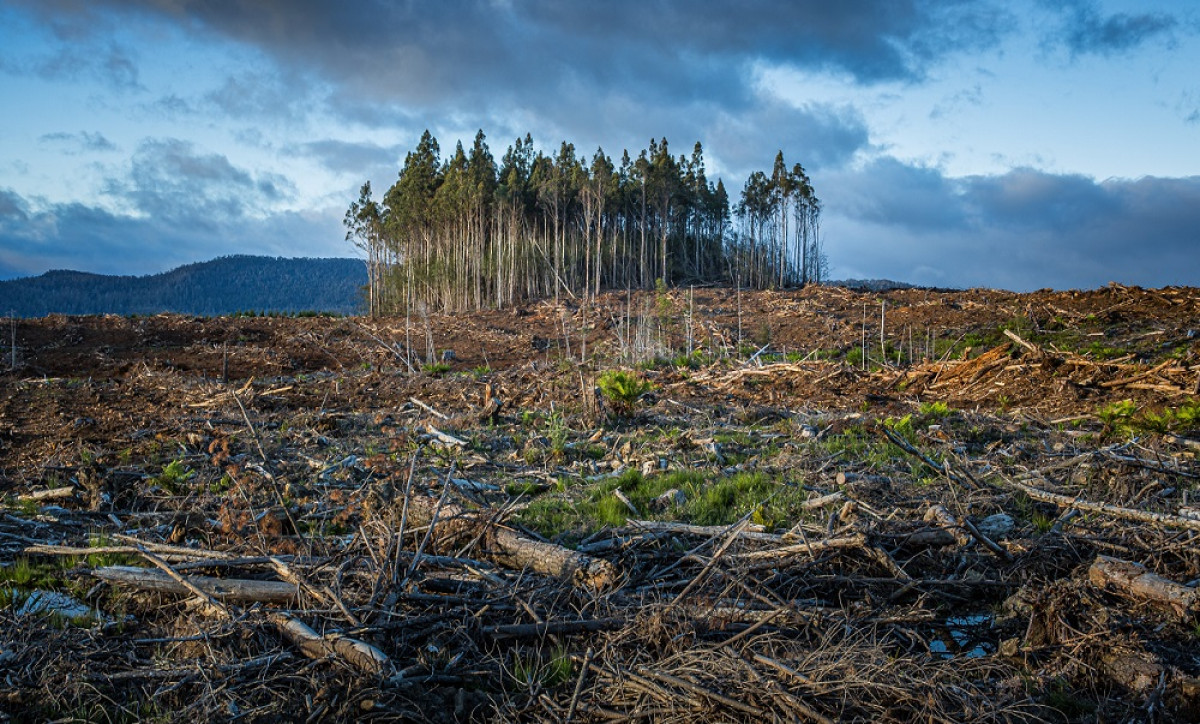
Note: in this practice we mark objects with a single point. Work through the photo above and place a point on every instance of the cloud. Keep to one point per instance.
(12, 208)
(77, 143)
(170, 180)
(817, 135)
(1085, 31)
(887, 192)
(261, 95)
(499, 54)
(1022, 230)
(110, 64)
(346, 157)
(87, 238)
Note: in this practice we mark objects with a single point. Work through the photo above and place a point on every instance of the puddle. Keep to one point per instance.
(969, 635)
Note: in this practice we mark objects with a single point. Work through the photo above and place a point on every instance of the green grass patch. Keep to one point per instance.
(1101, 351)
(100, 560)
(26, 573)
(1125, 418)
(935, 410)
(435, 369)
(174, 477)
(720, 501)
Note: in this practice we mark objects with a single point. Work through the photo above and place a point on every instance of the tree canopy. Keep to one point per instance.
(467, 233)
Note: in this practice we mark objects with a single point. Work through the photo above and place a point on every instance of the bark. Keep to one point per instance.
(1143, 516)
(1132, 580)
(508, 548)
(776, 556)
(362, 656)
(222, 589)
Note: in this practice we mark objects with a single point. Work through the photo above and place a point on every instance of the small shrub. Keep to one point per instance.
(1118, 416)
(935, 410)
(557, 432)
(902, 426)
(622, 389)
(1042, 523)
(173, 477)
(693, 361)
(436, 369)
(1171, 419)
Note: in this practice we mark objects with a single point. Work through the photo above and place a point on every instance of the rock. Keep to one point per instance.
(55, 602)
(997, 527)
(673, 498)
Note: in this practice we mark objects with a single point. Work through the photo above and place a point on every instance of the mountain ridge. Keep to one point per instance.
(221, 286)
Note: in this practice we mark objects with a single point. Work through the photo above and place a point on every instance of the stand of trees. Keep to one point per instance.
(468, 233)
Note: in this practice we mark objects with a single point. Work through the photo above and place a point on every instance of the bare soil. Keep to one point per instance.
(222, 443)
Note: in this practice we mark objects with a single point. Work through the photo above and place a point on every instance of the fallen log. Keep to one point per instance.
(445, 438)
(775, 556)
(508, 548)
(51, 494)
(222, 589)
(361, 655)
(749, 532)
(1132, 580)
(1143, 516)
(358, 654)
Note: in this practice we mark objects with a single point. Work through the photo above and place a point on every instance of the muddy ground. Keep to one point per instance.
(825, 505)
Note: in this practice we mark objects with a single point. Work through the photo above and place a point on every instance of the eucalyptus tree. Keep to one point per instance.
(469, 233)
(364, 228)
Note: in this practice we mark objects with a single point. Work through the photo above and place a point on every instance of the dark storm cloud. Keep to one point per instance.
(887, 192)
(610, 74)
(1023, 229)
(76, 143)
(170, 179)
(817, 136)
(1086, 31)
(427, 53)
(12, 207)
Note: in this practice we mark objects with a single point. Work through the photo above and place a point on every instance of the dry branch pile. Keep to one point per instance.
(763, 539)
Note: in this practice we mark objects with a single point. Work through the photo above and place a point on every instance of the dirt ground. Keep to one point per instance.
(924, 496)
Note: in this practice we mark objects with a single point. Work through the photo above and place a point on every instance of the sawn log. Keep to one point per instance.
(507, 547)
(1132, 580)
(222, 589)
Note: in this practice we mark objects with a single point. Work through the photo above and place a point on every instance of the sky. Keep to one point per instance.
(1015, 144)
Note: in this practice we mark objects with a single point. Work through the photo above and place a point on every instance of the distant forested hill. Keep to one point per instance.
(222, 286)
